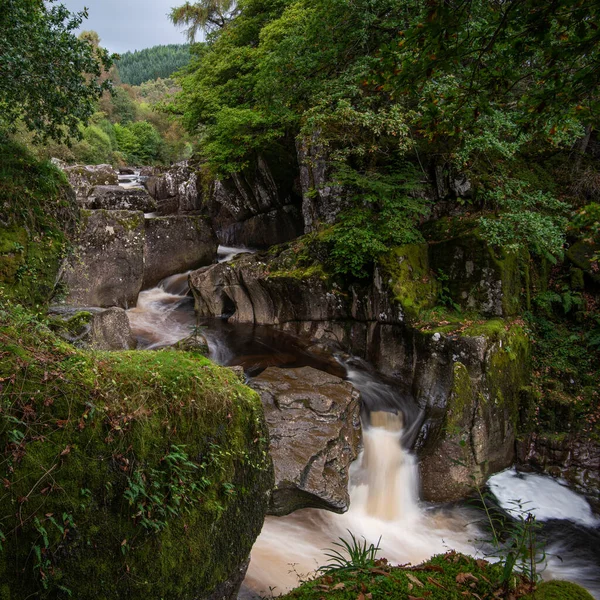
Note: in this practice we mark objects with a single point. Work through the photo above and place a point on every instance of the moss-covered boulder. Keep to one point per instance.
(106, 267)
(559, 590)
(474, 275)
(472, 425)
(125, 475)
(84, 179)
(38, 212)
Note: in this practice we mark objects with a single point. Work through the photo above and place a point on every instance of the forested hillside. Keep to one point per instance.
(152, 63)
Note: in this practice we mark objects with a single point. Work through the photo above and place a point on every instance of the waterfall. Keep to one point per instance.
(384, 478)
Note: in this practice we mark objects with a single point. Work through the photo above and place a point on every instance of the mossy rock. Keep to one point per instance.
(38, 212)
(582, 254)
(413, 285)
(559, 590)
(127, 474)
(476, 276)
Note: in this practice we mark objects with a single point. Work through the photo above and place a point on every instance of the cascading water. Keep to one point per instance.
(383, 480)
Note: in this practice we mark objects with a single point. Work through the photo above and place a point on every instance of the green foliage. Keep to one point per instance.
(381, 214)
(157, 62)
(450, 576)
(140, 142)
(353, 555)
(50, 78)
(528, 219)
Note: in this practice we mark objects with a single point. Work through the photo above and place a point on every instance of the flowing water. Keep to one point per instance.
(383, 480)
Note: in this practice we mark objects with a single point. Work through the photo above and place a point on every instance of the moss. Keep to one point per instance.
(39, 209)
(461, 397)
(406, 269)
(71, 326)
(123, 469)
(559, 590)
(479, 277)
(508, 369)
(450, 576)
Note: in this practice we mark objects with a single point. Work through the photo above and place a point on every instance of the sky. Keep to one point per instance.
(130, 24)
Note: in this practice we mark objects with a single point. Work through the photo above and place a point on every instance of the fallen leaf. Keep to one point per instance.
(414, 580)
(434, 582)
(379, 572)
(339, 586)
(464, 577)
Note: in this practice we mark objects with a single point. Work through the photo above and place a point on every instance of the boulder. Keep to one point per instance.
(100, 329)
(176, 191)
(469, 387)
(114, 197)
(107, 264)
(176, 244)
(314, 429)
(134, 465)
(84, 178)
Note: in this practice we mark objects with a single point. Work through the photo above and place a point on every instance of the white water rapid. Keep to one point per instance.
(383, 504)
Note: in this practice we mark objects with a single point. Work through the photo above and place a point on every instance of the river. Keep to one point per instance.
(384, 479)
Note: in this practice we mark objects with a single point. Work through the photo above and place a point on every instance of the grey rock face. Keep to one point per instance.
(247, 291)
(571, 458)
(254, 208)
(264, 230)
(314, 430)
(175, 244)
(84, 178)
(107, 266)
(321, 201)
(110, 330)
(114, 197)
(177, 190)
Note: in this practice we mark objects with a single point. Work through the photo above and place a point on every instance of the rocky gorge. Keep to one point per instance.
(461, 380)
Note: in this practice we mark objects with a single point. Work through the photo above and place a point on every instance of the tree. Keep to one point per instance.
(48, 77)
(208, 15)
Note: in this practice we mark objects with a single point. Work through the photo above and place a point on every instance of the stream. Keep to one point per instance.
(384, 478)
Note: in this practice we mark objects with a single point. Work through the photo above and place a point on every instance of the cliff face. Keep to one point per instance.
(129, 474)
(465, 375)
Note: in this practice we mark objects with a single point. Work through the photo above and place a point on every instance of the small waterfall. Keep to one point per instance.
(383, 503)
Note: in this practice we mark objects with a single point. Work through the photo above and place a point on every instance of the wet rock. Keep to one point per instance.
(247, 291)
(107, 264)
(175, 244)
(114, 197)
(194, 343)
(314, 429)
(110, 330)
(470, 389)
(84, 178)
(567, 456)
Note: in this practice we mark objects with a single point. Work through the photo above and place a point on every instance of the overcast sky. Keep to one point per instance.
(130, 24)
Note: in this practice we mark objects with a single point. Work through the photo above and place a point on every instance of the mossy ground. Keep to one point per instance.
(450, 576)
(130, 474)
(37, 212)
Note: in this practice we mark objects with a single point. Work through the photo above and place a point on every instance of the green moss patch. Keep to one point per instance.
(413, 285)
(39, 208)
(450, 576)
(559, 590)
(126, 474)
